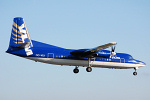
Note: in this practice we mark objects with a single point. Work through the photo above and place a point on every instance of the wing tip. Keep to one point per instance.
(114, 43)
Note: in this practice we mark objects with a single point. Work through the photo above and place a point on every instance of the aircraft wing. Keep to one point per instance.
(102, 47)
(89, 53)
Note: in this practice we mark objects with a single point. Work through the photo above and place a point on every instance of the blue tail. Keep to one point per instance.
(20, 38)
(19, 35)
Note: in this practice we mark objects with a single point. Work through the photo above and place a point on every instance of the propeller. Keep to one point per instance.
(113, 49)
(113, 52)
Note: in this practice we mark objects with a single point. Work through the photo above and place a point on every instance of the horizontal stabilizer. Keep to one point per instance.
(24, 45)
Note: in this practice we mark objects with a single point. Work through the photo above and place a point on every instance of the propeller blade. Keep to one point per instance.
(113, 49)
(113, 52)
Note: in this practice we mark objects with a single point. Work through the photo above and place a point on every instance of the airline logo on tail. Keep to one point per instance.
(20, 37)
(19, 33)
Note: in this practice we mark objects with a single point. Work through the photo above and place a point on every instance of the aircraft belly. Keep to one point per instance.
(113, 65)
(84, 63)
(70, 62)
(60, 61)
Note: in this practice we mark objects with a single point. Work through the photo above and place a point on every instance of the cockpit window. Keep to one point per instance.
(130, 57)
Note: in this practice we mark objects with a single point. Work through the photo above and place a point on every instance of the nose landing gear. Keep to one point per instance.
(135, 73)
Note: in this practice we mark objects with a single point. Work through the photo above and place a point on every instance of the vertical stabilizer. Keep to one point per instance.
(20, 39)
(19, 36)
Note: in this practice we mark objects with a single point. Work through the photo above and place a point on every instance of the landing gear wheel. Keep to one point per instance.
(76, 70)
(134, 73)
(88, 69)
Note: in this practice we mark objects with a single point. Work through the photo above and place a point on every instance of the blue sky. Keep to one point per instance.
(76, 24)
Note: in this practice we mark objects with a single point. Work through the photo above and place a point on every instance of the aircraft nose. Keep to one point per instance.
(141, 63)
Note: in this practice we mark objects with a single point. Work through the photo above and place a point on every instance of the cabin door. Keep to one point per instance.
(122, 60)
(50, 55)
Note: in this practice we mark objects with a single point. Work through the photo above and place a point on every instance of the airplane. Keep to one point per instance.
(21, 45)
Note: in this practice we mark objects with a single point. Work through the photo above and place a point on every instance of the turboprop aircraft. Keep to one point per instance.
(21, 45)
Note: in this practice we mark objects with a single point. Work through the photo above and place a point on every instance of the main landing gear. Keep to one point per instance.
(88, 69)
(135, 73)
(76, 70)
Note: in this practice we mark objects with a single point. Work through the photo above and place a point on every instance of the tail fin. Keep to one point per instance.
(19, 36)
